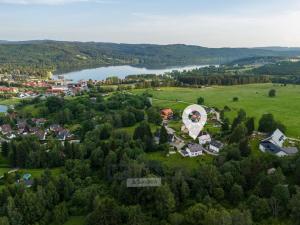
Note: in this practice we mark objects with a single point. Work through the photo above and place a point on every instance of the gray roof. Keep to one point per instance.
(269, 146)
(216, 143)
(195, 147)
(290, 150)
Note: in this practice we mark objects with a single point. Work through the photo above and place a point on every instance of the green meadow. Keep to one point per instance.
(253, 99)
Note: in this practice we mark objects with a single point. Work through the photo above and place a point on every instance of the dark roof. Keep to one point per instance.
(271, 147)
(184, 152)
(63, 134)
(216, 143)
(195, 147)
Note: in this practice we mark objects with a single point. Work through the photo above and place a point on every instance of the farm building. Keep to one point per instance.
(166, 114)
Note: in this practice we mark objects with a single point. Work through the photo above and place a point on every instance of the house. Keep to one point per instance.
(184, 129)
(166, 114)
(171, 134)
(215, 146)
(204, 138)
(192, 150)
(184, 153)
(55, 128)
(39, 121)
(8, 89)
(41, 135)
(267, 146)
(63, 135)
(274, 145)
(5, 129)
(277, 138)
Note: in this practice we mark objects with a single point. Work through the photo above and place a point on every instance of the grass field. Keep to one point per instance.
(253, 99)
(76, 220)
(176, 160)
(10, 101)
(33, 172)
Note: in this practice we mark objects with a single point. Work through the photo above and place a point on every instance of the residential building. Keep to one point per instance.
(192, 150)
(215, 146)
(166, 114)
(204, 138)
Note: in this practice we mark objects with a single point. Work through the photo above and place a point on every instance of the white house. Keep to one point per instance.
(274, 143)
(192, 150)
(277, 138)
(215, 146)
(204, 139)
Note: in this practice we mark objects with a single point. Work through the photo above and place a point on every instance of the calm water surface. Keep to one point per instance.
(102, 73)
(3, 108)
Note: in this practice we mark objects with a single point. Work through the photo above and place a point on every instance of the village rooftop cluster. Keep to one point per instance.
(205, 143)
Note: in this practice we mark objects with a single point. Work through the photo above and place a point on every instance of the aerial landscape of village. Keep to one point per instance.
(99, 128)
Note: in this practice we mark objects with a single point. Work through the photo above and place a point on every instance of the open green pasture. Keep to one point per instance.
(253, 99)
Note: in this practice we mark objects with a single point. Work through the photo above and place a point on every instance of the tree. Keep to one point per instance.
(142, 131)
(14, 215)
(250, 125)
(195, 214)
(236, 194)
(60, 213)
(259, 207)
(294, 206)
(238, 134)
(225, 125)
(279, 199)
(241, 117)
(217, 217)
(241, 217)
(4, 221)
(200, 101)
(244, 147)
(54, 104)
(107, 212)
(164, 201)
(154, 116)
(235, 99)
(163, 135)
(5, 149)
(272, 93)
(267, 123)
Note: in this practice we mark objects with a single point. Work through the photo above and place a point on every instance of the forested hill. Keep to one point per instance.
(77, 55)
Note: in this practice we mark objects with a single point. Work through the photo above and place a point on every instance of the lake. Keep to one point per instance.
(3, 108)
(102, 73)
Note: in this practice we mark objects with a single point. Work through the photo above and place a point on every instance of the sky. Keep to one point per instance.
(209, 23)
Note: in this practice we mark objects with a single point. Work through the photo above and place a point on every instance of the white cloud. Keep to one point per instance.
(53, 2)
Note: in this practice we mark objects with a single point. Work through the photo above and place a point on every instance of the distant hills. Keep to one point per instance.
(64, 56)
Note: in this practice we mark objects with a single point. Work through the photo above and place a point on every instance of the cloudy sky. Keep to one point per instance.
(211, 23)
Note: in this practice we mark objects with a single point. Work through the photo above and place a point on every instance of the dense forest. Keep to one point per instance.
(64, 56)
(235, 188)
(280, 68)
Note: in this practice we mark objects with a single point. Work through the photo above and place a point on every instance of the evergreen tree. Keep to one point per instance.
(250, 125)
(163, 135)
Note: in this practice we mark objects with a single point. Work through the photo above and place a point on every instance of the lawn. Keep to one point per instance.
(177, 161)
(33, 172)
(3, 171)
(130, 130)
(76, 220)
(10, 101)
(253, 98)
(39, 172)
